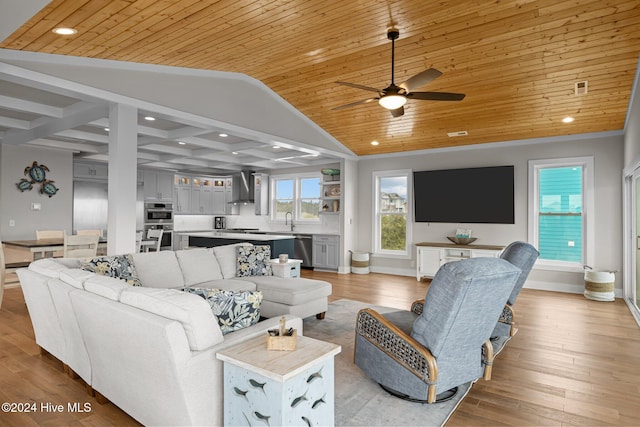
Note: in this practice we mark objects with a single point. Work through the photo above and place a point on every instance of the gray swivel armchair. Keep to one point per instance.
(448, 343)
(522, 255)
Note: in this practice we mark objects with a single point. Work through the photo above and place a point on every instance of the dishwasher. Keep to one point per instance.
(302, 249)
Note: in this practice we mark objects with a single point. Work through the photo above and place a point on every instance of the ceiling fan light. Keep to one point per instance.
(392, 102)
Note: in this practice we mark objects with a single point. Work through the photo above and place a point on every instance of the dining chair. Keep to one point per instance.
(154, 235)
(89, 232)
(76, 246)
(50, 234)
(139, 236)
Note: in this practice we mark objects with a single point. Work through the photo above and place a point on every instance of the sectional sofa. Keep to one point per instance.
(150, 349)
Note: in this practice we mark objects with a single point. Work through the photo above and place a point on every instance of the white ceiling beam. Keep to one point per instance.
(17, 104)
(73, 117)
(84, 136)
(8, 122)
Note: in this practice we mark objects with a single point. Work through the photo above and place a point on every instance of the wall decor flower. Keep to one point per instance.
(37, 175)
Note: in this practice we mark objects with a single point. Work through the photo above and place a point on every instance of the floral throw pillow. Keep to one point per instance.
(253, 261)
(234, 310)
(118, 266)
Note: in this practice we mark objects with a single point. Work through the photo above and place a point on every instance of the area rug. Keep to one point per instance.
(359, 400)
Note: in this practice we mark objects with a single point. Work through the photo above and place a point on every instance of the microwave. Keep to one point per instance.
(158, 212)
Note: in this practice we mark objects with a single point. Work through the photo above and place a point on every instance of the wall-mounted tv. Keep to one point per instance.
(482, 195)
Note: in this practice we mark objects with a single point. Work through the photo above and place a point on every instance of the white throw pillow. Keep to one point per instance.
(200, 325)
(226, 256)
(198, 266)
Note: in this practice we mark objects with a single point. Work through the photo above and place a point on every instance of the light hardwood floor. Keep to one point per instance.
(573, 362)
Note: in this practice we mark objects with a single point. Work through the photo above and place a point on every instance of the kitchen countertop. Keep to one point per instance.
(239, 236)
(257, 232)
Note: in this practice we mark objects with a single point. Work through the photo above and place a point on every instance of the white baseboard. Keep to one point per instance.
(561, 287)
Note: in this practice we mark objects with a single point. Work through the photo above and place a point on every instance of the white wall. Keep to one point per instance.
(56, 211)
(607, 151)
(632, 129)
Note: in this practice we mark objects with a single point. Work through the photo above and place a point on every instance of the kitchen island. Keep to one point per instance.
(279, 244)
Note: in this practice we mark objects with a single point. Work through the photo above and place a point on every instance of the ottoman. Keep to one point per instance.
(300, 297)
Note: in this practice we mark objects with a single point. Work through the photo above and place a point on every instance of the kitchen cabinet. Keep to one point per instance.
(90, 170)
(326, 250)
(261, 193)
(230, 194)
(219, 196)
(431, 256)
(202, 195)
(158, 186)
(182, 194)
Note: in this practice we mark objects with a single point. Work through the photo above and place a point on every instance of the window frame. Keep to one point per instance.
(588, 209)
(297, 197)
(376, 243)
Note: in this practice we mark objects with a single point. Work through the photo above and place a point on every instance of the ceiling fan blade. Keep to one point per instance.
(436, 96)
(353, 104)
(420, 79)
(397, 112)
(372, 89)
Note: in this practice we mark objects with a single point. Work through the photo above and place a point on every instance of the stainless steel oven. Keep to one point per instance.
(158, 213)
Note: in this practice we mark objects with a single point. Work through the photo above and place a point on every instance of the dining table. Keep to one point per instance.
(45, 248)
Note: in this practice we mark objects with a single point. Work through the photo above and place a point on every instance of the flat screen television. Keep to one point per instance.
(482, 195)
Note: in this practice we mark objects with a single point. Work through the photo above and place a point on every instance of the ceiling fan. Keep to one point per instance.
(395, 96)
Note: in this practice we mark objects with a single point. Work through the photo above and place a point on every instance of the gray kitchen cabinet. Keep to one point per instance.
(158, 185)
(219, 196)
(182, 194)
(326, 250)
(202, 195)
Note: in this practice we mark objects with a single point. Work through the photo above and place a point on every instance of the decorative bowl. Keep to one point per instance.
(462, 240)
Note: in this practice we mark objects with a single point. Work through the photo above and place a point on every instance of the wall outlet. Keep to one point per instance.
(12, 223)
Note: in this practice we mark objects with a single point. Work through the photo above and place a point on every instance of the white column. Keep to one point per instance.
(123, 143)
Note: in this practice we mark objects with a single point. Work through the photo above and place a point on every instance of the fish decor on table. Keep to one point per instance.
(261, 417)
(299, 400)
(314, 376)
(257, 384)
(318, 402)
(242, 393)
(37, 175)
(307, 421)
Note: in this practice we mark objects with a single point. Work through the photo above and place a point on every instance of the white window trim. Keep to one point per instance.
(376, 249)
(588, 216)
(296, 196)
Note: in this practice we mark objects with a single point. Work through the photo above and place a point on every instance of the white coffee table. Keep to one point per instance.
(279, 388)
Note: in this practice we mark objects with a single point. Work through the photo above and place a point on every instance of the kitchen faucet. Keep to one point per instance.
(285, 220)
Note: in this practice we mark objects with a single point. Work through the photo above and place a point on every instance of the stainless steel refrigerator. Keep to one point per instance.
(90, 203)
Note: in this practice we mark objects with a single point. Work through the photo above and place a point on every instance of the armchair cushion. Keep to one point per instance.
(198, 266)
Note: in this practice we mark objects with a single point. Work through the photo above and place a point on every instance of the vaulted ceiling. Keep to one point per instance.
(516, 61)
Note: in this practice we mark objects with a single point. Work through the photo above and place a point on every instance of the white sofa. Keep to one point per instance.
(151, 350)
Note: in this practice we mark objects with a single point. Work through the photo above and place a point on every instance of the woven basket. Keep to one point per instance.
(284, 343)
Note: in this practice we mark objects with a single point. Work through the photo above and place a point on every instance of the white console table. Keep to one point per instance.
(291, 268)
(432, 255)
(279, 388)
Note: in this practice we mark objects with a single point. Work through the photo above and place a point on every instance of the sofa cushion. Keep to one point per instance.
(198, 265)
(48, 267)
(235, 284)
(75, 277)
(200, 326)
(291, 291)
(234, 310)
(158, 269)
(118, 266)
(105, 286)
(253, 261)
(226, 256)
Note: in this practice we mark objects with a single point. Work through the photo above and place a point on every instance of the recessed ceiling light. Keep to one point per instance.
(276, 147)
(65, 31)
(182, 143)
(374, 143)
(106, 129)
(149, 118)
(224, 135)
(234, 153)
(568, 120)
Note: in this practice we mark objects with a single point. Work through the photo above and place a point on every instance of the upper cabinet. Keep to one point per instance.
(201, 195)
(158, 185)
(181, 194)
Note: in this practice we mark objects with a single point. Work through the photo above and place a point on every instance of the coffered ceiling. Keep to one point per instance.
(517, 62)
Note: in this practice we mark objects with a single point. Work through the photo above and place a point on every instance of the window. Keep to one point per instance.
(561, 210)
(392, 223)
(298, 194)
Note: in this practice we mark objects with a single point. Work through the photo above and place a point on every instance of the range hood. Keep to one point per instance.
(251, 187)
(243, 183)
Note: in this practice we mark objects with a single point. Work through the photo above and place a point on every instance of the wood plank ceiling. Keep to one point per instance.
(516, 61)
